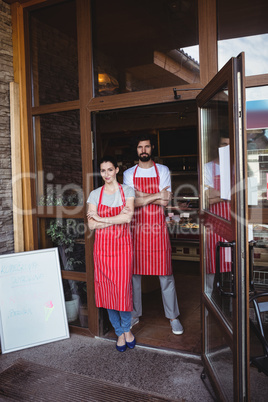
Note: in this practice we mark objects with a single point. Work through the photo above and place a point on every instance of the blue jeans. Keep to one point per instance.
(120, 320)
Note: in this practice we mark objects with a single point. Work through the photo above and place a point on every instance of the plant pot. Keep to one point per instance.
(72, 308)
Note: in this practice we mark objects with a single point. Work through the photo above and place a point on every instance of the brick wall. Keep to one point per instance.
(6, 76)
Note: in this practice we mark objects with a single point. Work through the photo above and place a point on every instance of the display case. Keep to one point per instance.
(182, 215)
(182, 218)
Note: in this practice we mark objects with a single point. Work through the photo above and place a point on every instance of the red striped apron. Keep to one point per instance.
(221, 209)
(152, 250)
(113, 259)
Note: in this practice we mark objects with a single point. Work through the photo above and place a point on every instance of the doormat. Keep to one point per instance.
(27, 381)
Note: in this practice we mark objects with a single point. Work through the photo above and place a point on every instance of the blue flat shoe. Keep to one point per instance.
(131, 345)
(121, 348)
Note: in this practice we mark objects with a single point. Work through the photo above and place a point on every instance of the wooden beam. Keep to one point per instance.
(256, 80)
(85, 94)
(142, 98)
(55, 107)
(16, 167)
(20, 78)
(207, 21)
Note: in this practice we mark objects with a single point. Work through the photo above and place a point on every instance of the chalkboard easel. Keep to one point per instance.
(32, 306)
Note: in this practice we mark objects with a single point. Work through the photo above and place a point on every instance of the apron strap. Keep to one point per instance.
(122, 194)
(135, 173)
(157, 172)
(101, 194)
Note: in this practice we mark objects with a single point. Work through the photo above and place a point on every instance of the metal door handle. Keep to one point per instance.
(219, 245)
(251, 263)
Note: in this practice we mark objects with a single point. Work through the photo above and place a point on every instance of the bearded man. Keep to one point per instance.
(152, 250)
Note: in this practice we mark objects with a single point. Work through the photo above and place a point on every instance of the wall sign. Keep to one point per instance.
(32, 306)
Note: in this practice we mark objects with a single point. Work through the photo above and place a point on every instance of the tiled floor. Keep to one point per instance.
(154, 329)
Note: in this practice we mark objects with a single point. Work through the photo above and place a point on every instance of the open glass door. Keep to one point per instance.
(224, 251)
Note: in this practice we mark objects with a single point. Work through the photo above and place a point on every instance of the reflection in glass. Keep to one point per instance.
(75, 294)
(257, 93)
(53, 47)
(139, 45)
(249, 33)
(68, 236)
(257, 145)
(224, 303)
(219, 355)
(192, 51)
(58, 158)
(260, 260)
(216, 155)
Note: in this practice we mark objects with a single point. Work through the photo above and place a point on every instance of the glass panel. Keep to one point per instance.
(58, 158)
(257, 142)
(53, 47)
(216, 156)
(144, 45)
(68, 236)
(75, 293)
(223, 303)
(257, 137)
(242, 27)
(219, 356)
(260, 254)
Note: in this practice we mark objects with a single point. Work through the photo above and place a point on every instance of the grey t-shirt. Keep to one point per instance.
(111, 200)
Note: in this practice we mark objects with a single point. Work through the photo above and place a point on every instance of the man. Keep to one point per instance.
(152, 249)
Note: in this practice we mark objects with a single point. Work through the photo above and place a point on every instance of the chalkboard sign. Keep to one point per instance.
(32, 307)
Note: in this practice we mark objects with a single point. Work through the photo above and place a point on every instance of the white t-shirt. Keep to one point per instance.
(110, 200)
(163, 170)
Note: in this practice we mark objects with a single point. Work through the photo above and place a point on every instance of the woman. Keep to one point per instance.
(110, 210)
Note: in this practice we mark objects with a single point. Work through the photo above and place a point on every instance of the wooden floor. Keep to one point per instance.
(154, 329)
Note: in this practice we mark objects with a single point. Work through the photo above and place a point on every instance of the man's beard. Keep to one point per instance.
(144, 157)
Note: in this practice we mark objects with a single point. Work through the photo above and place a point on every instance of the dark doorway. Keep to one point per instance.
(174, 129)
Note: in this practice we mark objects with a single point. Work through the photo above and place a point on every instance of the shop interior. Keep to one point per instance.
(174, 129)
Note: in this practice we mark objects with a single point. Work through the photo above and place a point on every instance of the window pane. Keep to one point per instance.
(75, 293)
(219, 355)
(68, 236)
(242, 27)
(216, 154)
(140, 45)
(58, 158)
(53, 47)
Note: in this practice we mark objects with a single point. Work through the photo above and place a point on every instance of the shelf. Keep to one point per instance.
(185, 240)
(260, 264)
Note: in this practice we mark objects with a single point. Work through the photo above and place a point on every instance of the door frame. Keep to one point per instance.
(231, 75)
